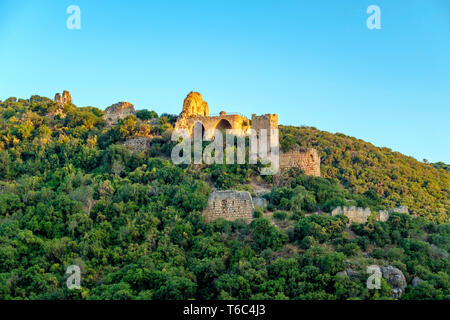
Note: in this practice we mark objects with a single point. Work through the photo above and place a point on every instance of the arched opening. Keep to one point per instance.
(198, 127)
(223, 125)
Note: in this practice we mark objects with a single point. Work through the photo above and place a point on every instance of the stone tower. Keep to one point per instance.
(63, 99)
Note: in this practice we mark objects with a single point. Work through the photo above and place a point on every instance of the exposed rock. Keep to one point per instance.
(416, 281)
(194, 105)
(118, 111)
(350, 273)
(396, 280)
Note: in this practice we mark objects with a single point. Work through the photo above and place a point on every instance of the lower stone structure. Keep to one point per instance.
(229, 205)
(355, 215)
(306, 159)
(360, 215)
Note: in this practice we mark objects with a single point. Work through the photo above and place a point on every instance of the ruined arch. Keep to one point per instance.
(223, 124)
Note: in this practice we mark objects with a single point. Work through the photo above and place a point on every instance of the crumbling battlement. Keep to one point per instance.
(229, 205)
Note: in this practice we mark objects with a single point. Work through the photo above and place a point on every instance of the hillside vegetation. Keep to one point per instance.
(72, 194)
(360, 166)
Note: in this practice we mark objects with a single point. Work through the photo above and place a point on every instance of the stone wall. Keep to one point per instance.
(355, 215)
(265, 121)
(229, 205)
(63, 99)
(360, 215)
(306, 159)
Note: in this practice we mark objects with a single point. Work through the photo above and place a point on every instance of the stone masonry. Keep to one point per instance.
(229, 205)
(63, 99)
(306, 159)
(361, 215)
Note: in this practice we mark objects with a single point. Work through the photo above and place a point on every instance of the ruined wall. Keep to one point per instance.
(265, 121)
(306, 159)
(63, 99)
(355, 215)
(229, 205)
(196, 110)
(360, 215)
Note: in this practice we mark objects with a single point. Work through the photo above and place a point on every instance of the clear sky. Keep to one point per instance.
(314, 63)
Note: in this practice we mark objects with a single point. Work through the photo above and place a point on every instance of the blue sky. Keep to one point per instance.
(314, 63)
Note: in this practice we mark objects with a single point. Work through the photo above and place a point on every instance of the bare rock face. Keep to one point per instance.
(118, 111)
(194, 105)
(352, 274)
(396, 280)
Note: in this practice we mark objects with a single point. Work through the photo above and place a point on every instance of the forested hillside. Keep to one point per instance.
(72, 194)
(360, 166)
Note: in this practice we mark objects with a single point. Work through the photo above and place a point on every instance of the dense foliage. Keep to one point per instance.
(72, 194)
(360, 166)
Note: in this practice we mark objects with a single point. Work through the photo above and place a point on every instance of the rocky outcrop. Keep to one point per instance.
(395, 279)
(194, 105)
(350, 273)
(118, 111)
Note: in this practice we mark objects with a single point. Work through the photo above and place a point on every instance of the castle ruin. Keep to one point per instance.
(306, 159)
(229, 205)
(63, 99)
(196, 112)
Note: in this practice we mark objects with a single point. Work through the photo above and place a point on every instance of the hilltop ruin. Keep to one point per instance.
(196, 112)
